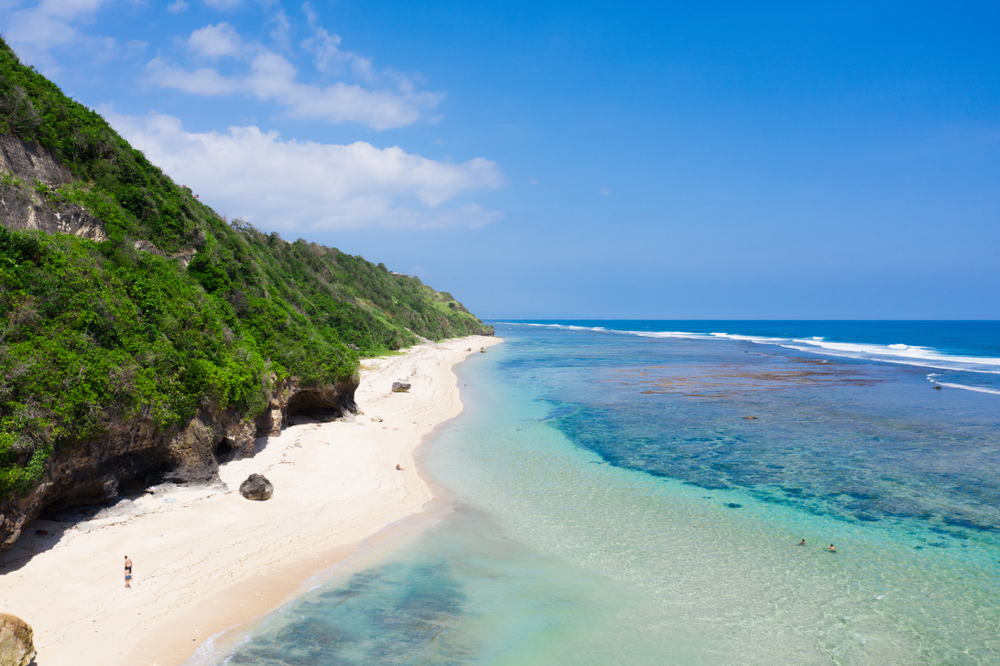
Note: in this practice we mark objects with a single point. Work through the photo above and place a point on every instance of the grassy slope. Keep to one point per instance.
(94, 335)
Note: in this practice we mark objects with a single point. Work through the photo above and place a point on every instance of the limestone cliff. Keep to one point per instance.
(145, 337)
(22, 207)
(133, 453)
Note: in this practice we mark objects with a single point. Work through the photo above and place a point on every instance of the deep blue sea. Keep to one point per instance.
(634, 492)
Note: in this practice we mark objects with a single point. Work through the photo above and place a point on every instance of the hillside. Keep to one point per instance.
(143, 336)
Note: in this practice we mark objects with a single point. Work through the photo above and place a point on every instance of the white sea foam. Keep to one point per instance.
(562, 326)
(900, 353)
(977, 389)
(666, 334)
(893, 353)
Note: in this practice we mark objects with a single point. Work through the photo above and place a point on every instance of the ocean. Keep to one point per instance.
(635, 492)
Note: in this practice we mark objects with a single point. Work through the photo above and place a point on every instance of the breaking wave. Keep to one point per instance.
(925, 357)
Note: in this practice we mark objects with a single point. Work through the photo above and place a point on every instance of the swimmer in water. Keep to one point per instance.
(832, 549)
(802, 543)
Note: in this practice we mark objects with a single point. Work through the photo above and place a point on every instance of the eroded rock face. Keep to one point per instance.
(131, 455)
(330, 402)
(195, 452)
(22, 208)
(16, 647)
(31, 162)
(256, 487)
(135, 454)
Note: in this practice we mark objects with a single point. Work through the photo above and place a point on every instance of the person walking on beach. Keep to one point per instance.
(128, 573)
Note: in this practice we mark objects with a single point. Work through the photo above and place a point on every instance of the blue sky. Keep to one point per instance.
(578, 160)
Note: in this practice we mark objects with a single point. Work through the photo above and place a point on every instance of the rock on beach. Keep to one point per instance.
(16, 647)
(256, 487)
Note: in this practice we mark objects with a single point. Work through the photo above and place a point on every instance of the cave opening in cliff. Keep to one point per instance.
(225, 450)
(318, 405)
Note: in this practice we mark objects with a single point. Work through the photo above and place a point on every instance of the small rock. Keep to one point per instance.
(16, 647)
(256, 487)
(469, 349)
(482, 350)
(400, 387)
(377, 419)
(41, 533)
(938, 388)
(750, 418)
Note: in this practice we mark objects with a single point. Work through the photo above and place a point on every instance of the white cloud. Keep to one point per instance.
(177, 7)
(605, 191)
(273, 78)
(282, 31)
(326, 49)
(200, 82)
(247, 173)
(216, 41)
(32, 32)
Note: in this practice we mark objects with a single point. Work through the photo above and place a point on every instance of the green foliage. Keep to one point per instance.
(96, 335)
(9, 179)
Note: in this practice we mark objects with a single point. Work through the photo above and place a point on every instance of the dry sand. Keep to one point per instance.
(206, 559)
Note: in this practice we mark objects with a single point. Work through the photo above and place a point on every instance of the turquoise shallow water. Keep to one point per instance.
(614, 504)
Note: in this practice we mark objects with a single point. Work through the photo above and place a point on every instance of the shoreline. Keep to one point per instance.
(207, 561)
(367, 553)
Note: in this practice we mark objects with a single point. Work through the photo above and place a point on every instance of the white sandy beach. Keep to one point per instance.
(206, 559)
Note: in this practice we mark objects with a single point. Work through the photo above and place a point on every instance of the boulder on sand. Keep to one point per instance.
(16, 648)
(400, 387)
(256, 487)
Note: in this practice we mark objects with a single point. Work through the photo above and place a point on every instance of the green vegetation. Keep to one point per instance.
(94, 336)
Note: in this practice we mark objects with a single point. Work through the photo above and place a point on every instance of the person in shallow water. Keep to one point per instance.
(128, 572)
(832, 549)
(802, 543)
